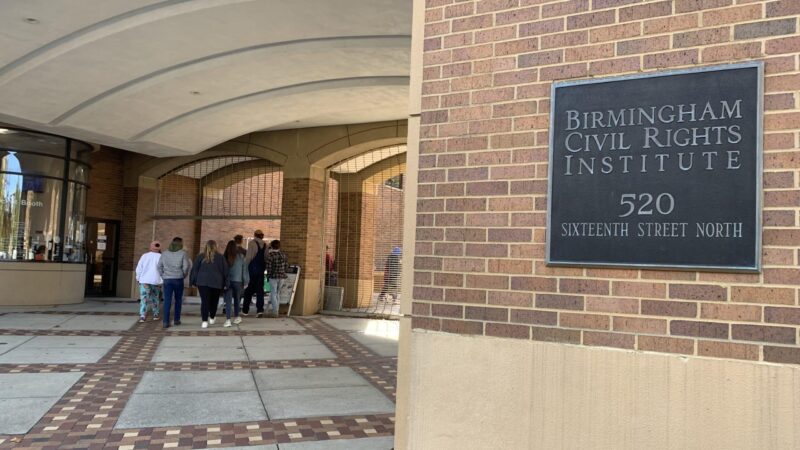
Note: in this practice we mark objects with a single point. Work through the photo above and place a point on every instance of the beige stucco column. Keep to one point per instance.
(405, 364)
(302, 230)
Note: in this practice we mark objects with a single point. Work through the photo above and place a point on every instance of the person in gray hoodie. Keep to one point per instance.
(173, 266)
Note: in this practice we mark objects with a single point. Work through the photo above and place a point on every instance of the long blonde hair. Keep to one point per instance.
(209, 251)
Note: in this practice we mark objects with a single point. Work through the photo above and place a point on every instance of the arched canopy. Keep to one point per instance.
(177, 77)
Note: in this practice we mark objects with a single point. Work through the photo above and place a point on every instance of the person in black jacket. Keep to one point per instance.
(210, 275)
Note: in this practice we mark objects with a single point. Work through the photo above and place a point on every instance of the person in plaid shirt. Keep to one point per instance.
(276, 273)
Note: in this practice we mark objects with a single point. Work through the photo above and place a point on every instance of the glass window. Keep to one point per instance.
(30, 163)
(75, 224)
(32, 181)
(81, 151)
(78, 172)
(11, 139)
(29, 213)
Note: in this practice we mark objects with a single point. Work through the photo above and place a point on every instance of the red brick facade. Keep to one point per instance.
(179, 196)
(388, 223)
(105, 197)
(302, 226)
(479, 266)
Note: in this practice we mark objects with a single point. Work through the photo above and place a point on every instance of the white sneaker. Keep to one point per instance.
(237, 320)
(204, 325)
(211, 321)
(227, 323)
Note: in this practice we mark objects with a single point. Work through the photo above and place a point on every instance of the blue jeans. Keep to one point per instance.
(232, 295)
(274, 290)
(172, 286)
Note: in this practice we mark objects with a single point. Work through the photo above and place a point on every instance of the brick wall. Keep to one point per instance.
(301, 224)
(105, 197)
(223, 230)
(177, 196)
(388, 224)
(331, 223)
(136, 231)
(127, 232)
(242, 193)
(355, 239)
(479, 266)
(255, 195)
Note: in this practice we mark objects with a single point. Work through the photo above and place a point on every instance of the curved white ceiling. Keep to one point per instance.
(172, 77)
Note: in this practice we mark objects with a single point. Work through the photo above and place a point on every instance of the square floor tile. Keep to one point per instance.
(163, 410)
(252, 447)
(19, 385)
(201, 341)
(195, 354)
(7, 343)
(26, 397)
(337, 401)
(19, 415)
(195, 382)
(378, 443)
(289, 353)
(200, 348)
(77, 355)
(280, 341)
(105, 342)
(98, 323)
(60, 350)
(314, 377)
(275, 348)
(102, 306)
(380, 345)
(347, 324)
(22, 321)
(252, 323)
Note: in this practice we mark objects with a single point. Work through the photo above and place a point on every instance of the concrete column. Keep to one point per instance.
(355, 239)
(404, 357)
(302, 230)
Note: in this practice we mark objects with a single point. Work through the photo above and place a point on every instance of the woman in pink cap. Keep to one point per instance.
(149, 281)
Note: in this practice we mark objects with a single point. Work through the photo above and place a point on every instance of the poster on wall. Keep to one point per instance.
(660, 170)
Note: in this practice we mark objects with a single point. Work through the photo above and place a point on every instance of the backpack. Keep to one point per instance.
(257, 265)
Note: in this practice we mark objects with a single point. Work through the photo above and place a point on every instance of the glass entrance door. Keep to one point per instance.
(102, 248)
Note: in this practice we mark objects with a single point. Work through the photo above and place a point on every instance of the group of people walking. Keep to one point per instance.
(236, 274)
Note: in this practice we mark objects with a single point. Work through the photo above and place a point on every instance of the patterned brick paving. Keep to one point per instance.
(85, 416)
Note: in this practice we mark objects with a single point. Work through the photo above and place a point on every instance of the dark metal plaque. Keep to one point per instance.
(659, 170)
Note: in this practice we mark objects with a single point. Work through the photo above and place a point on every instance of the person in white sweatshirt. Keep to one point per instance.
(149, 281)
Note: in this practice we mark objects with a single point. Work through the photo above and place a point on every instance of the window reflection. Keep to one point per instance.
(32, 183)
(29, 222)
(75, 225)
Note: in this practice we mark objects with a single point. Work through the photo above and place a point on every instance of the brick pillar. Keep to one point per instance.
(136, 232)
(355, 240)
(301, 238)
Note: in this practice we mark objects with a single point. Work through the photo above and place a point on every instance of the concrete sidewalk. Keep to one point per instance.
(90, 376)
